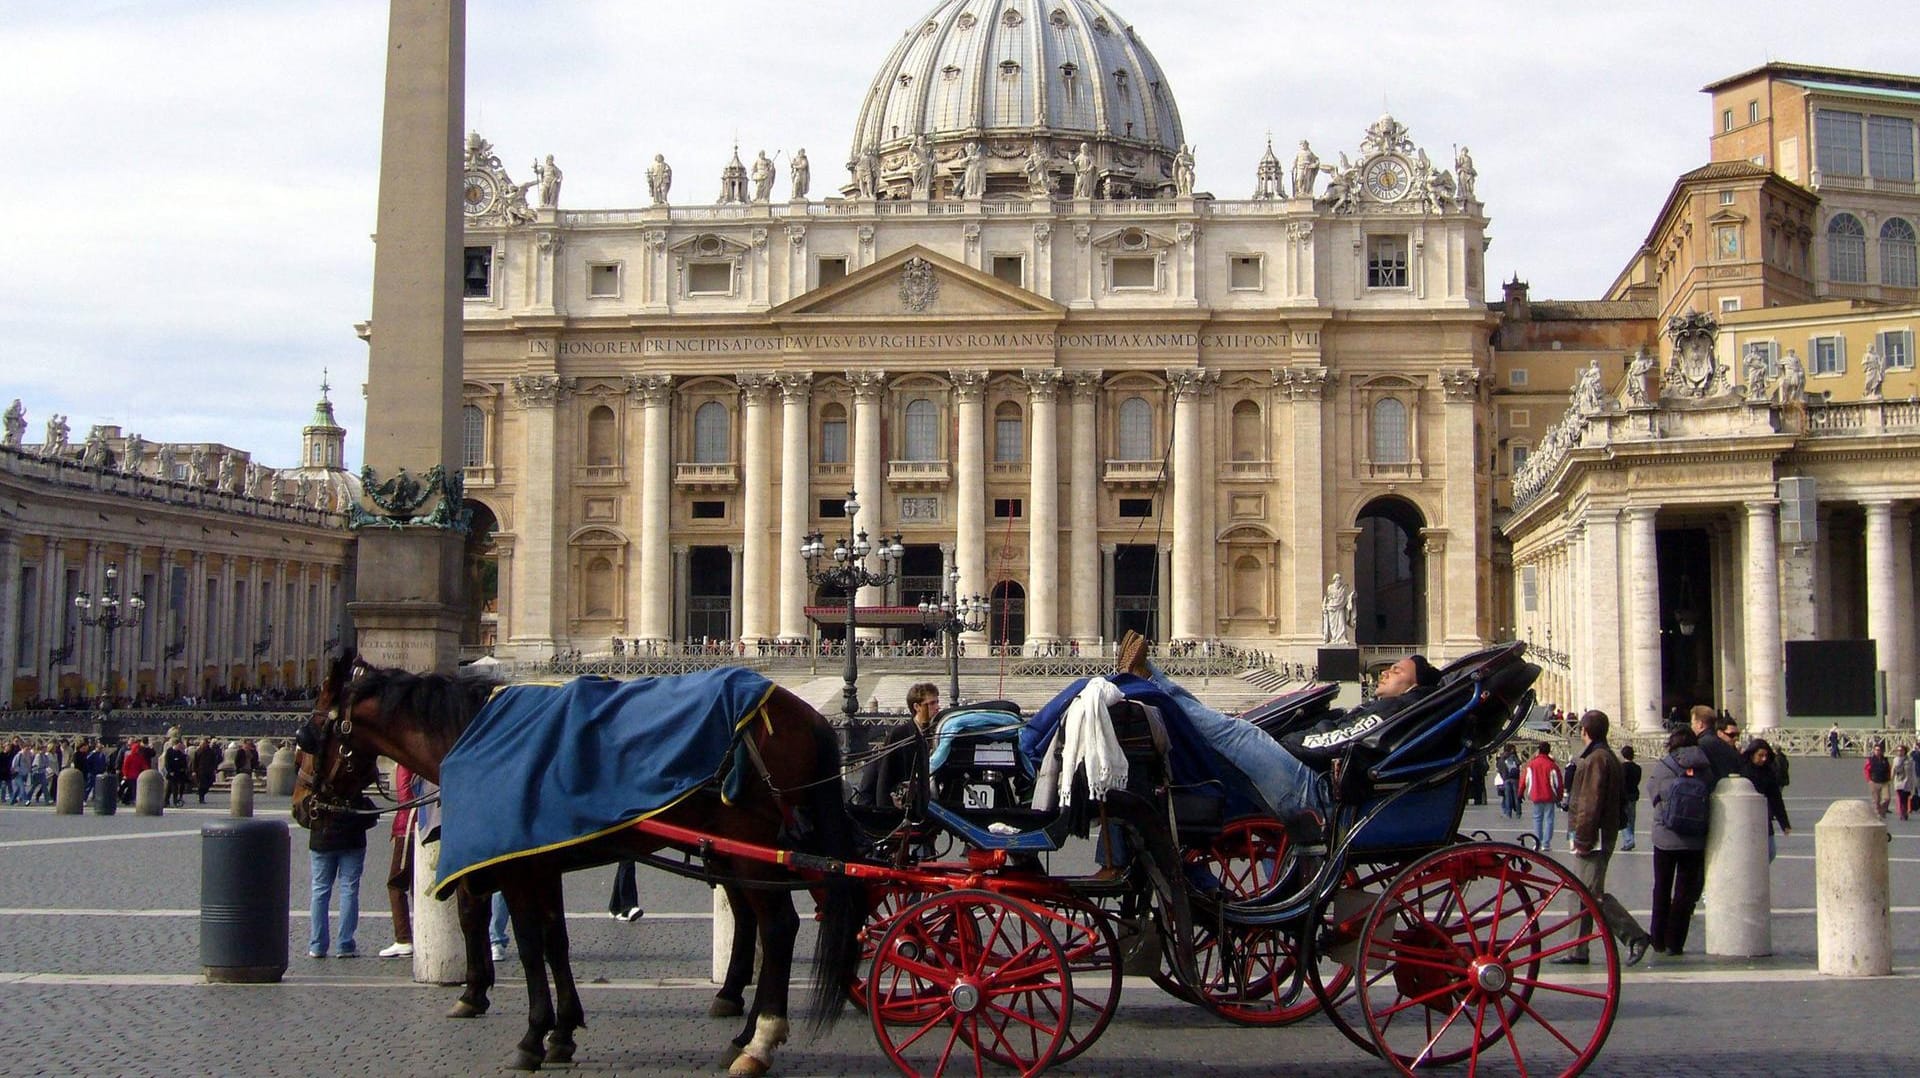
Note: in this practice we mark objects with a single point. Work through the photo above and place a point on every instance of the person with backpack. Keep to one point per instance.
(1507, 778)
(1678, 788)
(1540, 786)
(1879, 771)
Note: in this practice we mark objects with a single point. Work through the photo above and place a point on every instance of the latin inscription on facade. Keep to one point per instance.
(1031, 340)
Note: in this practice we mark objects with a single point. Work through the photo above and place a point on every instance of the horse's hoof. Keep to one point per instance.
(722, 1007)
(559, 1051)
(745, 1066)
(524, 1060)
(727, 1055)
(463, 1009)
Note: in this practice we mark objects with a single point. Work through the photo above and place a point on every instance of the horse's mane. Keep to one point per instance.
(440, 704)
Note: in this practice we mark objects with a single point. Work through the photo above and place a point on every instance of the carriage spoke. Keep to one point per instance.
(1546, 1025)
(1563, 988)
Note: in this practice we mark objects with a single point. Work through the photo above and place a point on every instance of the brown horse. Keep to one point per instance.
(415, 719)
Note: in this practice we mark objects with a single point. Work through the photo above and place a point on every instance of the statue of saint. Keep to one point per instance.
(166, 462)
(1464, 174)
(229, 476)
(1083, 172)
(659, 179)
(1038, 184)
(1336, 612)
(921, 158)
(1638, 373)
(1586, 391)
(973, 175)
(1183, 172)
(94, 454)
(762, 178)
(1792, 387)
(56, 435)
(866, 174)
(801, 173)
(199, 468)
(136, 448)
(1753, 370)
(1873, 372)
(548, 176)
(16, 420)
(1306, 171)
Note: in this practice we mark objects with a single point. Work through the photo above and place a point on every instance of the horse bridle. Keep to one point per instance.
(336, 731)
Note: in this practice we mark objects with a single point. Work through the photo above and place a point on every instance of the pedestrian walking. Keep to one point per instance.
(175, 761)
(1766, 780)
(1593, 826)
(1913, 777)
(337, 852)
(406, 787)
(206, 767)
(1879, 772)
(1507, 773)
(1540, 786)
(1629, 796)
(1902, 780)
(624, 903)
(1833, 741)
(497, 927)
(1678, 789)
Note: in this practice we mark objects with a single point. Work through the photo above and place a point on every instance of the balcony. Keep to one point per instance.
(1379, 471)
(1133, 474)
(707, 478)
(1007, 469)
(1247, 471)
(918, 474)
(601, 474)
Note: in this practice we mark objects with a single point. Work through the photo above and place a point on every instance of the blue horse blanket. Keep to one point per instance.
(545, 767)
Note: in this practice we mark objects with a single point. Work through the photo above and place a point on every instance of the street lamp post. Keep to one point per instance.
(106, 612)
(849, 572)
(950, 616)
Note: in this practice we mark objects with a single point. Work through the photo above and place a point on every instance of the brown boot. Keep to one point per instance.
(1133, 654)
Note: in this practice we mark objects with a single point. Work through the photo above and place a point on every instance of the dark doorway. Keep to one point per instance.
(1136, 591)
(1687, 644)
(1390, 575)
(828, 595)
(920, 581)
(1007, 614)
(709, 593)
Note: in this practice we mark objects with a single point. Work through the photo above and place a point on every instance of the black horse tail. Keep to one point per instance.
(843, 901)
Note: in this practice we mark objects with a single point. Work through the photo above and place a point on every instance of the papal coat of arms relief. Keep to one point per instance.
(918, 285)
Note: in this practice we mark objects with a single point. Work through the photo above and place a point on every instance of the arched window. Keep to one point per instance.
(710, 434)
(923, 435)
(1898, 266)
(1009, 434)
(1247, 442)
(833, 434)
(1136, 430)
(602, 438)
(473, 427)
(1389, 431)
(1846, 249)
(599, 588)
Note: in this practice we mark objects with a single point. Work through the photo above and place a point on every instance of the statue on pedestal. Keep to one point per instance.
(229, 474)
(1036, 171)
(16, 421)
(56, 436)
(1587, 395)
(1792, 387)
(1638, 372)
(1873, 372)
(1083, 172)
(1753, 372)
(1306, 171)
(199, 468)
(1336, 612)
(1183, 172)
(920, 159)
(548, 176)
(94, 454)
(659, 179)
(866, 174)
(762, 178)
(801, 173)
(166, 463)
(136, 448)
(973, 175)
(1464, 174)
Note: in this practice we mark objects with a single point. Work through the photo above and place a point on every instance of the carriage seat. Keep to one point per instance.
(1292, 711)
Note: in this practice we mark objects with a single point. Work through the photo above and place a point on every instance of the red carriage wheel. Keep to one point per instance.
(1251, 974)
(1334, 947)
(1452, 965)
(888, 901)
(985, 978)
(1087, 938)
(1248, 858)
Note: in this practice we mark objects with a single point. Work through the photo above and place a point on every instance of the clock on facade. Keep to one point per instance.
(480, 193)
(1387, 178)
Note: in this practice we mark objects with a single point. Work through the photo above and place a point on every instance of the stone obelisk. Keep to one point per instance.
(409, 598)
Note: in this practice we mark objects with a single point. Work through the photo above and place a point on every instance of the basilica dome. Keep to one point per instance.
(1023, 78)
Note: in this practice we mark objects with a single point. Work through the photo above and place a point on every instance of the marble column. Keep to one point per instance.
(754, 622)
(1730, 624)
(229, 643)
(1642, 710)
(538, 626)
(1762, 589)
(1043, 513)
(198, 629)
(970, 488)
(1600, 655)
(1883, 606)
(795, 389)
(1903, 694)
(656, 504)
(869, 389)
(1192, 547)
(1083, 538)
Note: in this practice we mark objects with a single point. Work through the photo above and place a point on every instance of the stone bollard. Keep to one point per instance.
(1852, 892)
(69, 792)
(1740, 909)
(722, 935)
(281, 773)
(149, 793)
(439, 950)
(240, 796)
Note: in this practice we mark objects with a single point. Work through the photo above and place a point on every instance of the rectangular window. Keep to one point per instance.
(709, 510)
(477, 278)
(1009, 440)
(1006, 509)
(1011, 269)
(1729, 304)
(1829, 355)
(833, 508)
(1838, 142)
(1753, 112)
(1896, 349)
(709, 278)
(1890, 148)
(1517, 378)
(1244, 273)
(1386, 262)
(1726, 119)
(1726, 198)
(1519, 456)
(832, 270)
(603, 280)
(1136, 508)
(1521, 418)
(1133, 273)
(833, 441)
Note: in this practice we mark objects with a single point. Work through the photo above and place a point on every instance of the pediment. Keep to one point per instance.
(918, 283)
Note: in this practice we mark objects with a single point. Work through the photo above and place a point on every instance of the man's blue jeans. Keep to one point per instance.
(1628, 811)
(497, 923)
(1288, 785)
(335, 870)
(1543, 823)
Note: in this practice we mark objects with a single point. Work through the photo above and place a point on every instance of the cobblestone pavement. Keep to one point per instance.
(99, 975)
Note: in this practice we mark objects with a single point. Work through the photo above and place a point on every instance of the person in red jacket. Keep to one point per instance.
(1540, 785)
(135, 760)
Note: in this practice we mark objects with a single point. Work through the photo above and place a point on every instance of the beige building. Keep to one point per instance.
(243, 571)
(1102, 398)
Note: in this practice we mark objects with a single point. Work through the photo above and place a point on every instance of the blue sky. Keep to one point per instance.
(195, 181)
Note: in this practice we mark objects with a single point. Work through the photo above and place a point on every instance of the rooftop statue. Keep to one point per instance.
(199, 468)
(762, 178)
(229, 479)
(166, 462)
(16, 421)
(1306, 171)
(1753, 372)
(1035, 168)
(95, 453)
(1084, 170)
(973, 173)
(1638, 372)
(1183, 172)
(1792, 387)
(659, 179)
(920, 158)
(866, 174)
(130, 457)
(548, 176)
(1464, 174)
(1873, 372)
(801, 173)
(56, 435)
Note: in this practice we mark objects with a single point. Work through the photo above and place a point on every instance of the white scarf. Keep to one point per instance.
(1085, 740)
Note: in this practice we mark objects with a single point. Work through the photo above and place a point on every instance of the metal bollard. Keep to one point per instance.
(1740, 909)
(1852, 891)
(240, 796)
(244, 892)
(281, 773)
(106, 794)
(149, 793)
(69, 792)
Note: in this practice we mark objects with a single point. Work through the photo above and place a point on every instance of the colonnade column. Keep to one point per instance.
(1600, 655)
(1643, 621)
(1762, 588)
(1043, 514)
(755, 621)
(970, 488)
(1883, 610)
(195, 627)
(10, 620)
(1191, 545)
(229, 642)
(868, 387)
(794, 472)
(1083, 541)
(656, 484)
(532, 632)
(1903, 694)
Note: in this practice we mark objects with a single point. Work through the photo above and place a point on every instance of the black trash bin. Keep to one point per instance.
(244, 900)
(106, 794)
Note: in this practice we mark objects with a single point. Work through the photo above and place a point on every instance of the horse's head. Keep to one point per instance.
(330, 773)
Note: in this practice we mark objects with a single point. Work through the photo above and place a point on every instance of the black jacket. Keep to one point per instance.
(333, 832)
(1723, 758)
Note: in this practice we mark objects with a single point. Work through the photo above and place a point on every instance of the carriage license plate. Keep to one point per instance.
(979, 797)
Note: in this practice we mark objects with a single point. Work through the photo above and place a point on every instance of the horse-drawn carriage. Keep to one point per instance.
(1422, 945)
